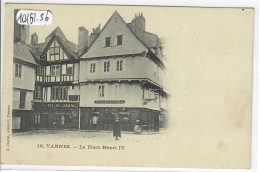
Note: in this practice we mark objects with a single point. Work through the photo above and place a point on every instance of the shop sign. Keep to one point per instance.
(109, 101)
(59, 105)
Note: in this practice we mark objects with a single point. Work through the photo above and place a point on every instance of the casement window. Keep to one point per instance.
(101, 91)
(37, 119)
(18, 70)
(119, 65)
(38, 92)
(69, 70)
(106, 66)
(92, 67)
(119, 39)
(55, 70)
(39, 70)
(54, 51)
(108, 41)
(59, 93)
(118, 90)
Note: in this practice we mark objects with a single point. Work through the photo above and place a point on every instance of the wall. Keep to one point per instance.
(27, 80)
(133, 67)
(132, 93)
(28, 99)
(112, 29)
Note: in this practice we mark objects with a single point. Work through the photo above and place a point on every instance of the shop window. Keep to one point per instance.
(106, 66)
(108, 118)
(18, 70)
(37, 119)
(101, 91)
(38, 92)
(92, 67)
(57, 119)
(94, 119)
(119, 65)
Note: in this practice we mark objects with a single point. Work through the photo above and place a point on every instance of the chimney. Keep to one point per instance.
(21, 32)
(34, 39)
(25, 34)
(82, 40)
(138, 25)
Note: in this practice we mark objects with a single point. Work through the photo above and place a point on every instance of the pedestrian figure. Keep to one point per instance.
(137, 128)
(117, 131)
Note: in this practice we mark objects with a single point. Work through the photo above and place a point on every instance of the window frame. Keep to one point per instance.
(107, 41)
(38, 92)
(18, 70)
(117, 38)
(119, 65)
(101, 91)
(92, 67)
(107, 66)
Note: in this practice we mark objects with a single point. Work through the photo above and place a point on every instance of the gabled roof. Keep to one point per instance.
(115, 13)
(57, 32)
(24, 52)
(150, 41)
(69, 47)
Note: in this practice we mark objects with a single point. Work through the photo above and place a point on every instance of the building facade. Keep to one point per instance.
(114, 72)
(123, 77)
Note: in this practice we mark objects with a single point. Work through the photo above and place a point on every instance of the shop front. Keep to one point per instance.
(104, 118)
(56, 115)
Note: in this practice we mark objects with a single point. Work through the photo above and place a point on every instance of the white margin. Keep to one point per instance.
(255, 150)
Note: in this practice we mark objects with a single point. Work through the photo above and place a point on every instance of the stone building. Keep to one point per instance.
(113, 72)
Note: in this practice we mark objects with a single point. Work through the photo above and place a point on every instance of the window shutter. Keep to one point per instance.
(103, 42)
(115, 41)
(123, 39)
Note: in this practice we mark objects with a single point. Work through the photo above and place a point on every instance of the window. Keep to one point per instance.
(38, 92)
(106, 66)
(119, 65)
(37, 119)
(39, 70)
(119, 39)
(92, 67)
(22, 99)
(59, 93)
(108, 41)
(55, 70)
(101, 91)
(18, 70)
(54, 51)
(118, 91)
(69, 69)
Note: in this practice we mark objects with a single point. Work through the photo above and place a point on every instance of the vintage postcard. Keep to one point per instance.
(127, 86)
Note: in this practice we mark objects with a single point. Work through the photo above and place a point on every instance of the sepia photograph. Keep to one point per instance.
(127, 86)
